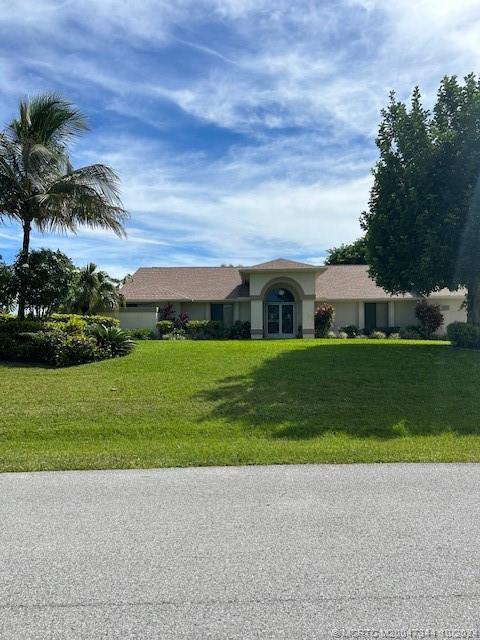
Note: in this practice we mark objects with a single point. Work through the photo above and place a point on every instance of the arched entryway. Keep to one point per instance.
(280, 313)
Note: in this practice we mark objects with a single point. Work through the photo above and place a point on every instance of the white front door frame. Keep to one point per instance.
(280, 334)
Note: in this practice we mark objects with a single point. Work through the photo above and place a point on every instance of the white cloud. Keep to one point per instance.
(302, 82)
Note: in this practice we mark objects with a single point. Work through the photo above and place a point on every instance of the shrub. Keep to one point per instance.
(176, 334)
(377, 335)
(394, 336)
(238, 331)
(112, 338)
(164, 327)
(205, 329)
(386, 330)
(65, 350)
(324, 315)
(11, 326)
(464, 335)
(343, 335)
(23, 347)
(331, 334)
(141, 334)
(429, 316)
(351, 330)
(107, 321)
(182, 320)
(73, 324)
(410, 333)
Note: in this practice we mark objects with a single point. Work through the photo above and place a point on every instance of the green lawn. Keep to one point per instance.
(217, 403)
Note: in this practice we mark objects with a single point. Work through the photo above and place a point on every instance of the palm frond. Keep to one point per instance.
(48, 118)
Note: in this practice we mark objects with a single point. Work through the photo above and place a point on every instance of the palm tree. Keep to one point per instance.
(38, 185)
(94, 291)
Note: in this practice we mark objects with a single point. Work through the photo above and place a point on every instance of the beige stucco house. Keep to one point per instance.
(278, 297)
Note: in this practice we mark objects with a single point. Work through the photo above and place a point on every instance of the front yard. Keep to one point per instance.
(222, 403)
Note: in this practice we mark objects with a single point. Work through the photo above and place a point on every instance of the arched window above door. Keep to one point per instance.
(279, 294)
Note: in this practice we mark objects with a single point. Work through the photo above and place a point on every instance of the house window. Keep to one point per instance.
(222, 313)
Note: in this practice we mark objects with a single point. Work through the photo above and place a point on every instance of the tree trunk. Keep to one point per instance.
(473, 302)
(27, 227)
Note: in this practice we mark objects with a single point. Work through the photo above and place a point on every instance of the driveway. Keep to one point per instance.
(361, 551)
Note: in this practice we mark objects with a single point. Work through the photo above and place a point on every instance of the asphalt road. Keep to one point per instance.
(360, 551)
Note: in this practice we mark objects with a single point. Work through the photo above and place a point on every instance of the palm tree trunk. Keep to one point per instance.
(27, 227)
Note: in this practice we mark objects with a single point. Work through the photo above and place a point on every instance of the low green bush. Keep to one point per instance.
(67, 339)
(205, 329)
(107, 321)
(351, 330)
(9, 325)
(64, 350)
(377, 335)
(176, 334)
(113, 338)
(164, 327)
(411, 332)
(394, 336)
(141, 334)
(238, 331)
(464, 335)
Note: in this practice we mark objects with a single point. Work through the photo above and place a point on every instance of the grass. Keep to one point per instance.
(224, 403)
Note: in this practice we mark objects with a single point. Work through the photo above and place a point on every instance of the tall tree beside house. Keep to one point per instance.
(423, 222)
(353, 253)
(38, 185)
(94, 291)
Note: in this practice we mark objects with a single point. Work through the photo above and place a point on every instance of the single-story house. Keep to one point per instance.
(278, 297)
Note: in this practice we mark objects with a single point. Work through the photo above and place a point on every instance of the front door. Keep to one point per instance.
(280, 320)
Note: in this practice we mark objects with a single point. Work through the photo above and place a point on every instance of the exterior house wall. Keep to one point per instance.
(345, 313)
(137, 319)
(405, 313)
(196, 310)
(244, 314)
(454, 313)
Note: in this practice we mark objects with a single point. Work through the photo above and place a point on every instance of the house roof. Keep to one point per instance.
(339, 282)
(352, 282)
(184, 283)
(279, 265)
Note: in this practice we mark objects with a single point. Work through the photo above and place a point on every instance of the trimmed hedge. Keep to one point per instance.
(107, 321)
(464, 335)
(215, 330)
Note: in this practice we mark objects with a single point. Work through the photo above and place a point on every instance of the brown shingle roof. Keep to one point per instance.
(352, 282)
(339, 282)
(184, 283)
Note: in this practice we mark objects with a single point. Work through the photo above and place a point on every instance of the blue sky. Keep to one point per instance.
(242, 130)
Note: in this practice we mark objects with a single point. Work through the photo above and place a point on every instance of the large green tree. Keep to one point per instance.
(353, 253)
(94, 291)
(45, 278)
(423, 222)
(38, 185)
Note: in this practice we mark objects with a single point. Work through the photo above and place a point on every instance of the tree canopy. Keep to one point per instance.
(423, 222)
(45, 278)
(354, 253)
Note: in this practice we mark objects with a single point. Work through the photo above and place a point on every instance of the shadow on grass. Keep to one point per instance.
(363, 390)
(16, 364)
